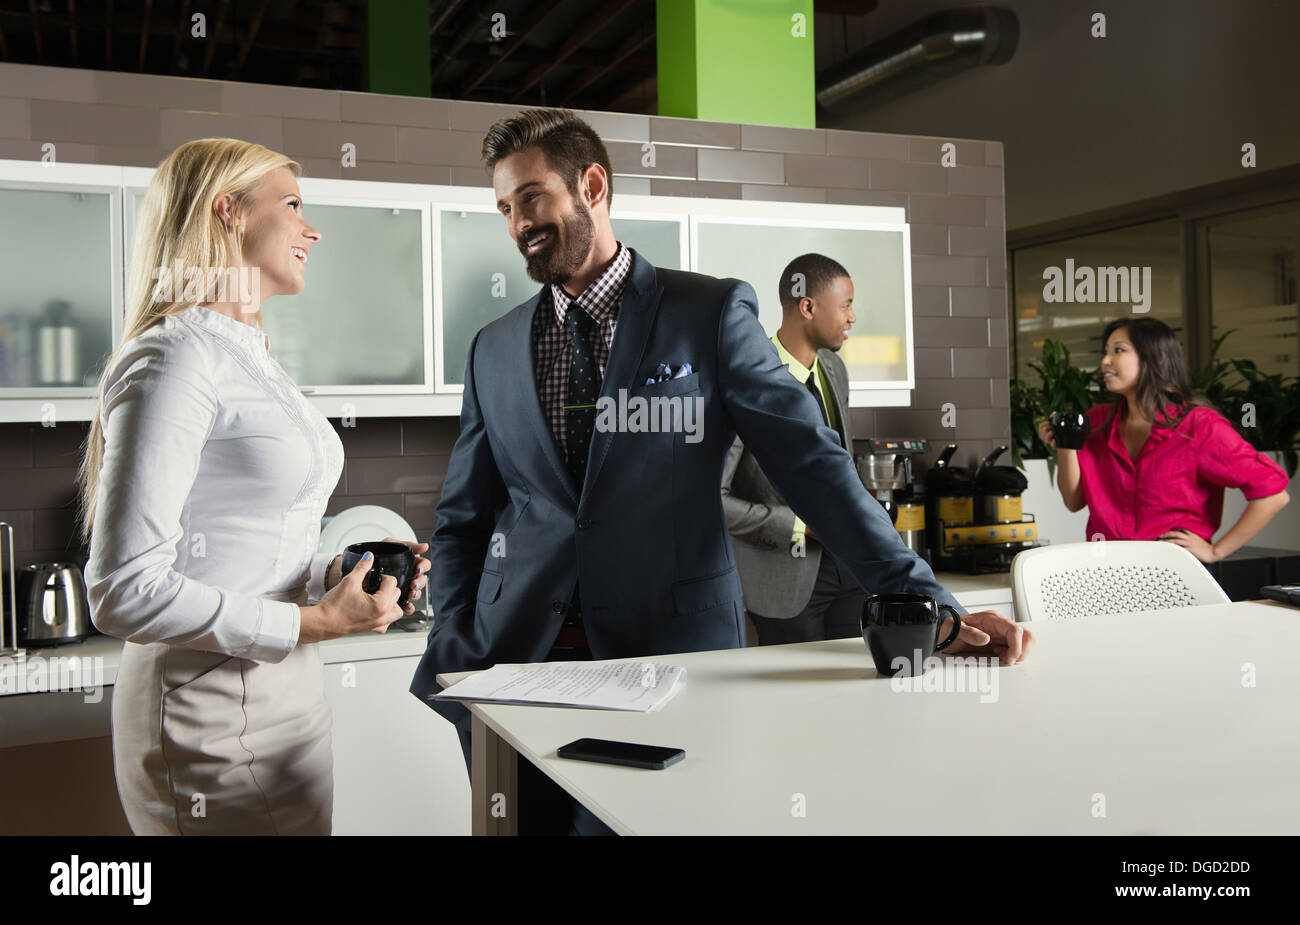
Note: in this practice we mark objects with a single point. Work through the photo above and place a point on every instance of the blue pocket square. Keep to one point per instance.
(664, 372)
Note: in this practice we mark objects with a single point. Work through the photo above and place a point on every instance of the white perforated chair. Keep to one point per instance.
(1108, 576)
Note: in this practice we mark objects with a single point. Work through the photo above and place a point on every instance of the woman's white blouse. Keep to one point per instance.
(216, 473)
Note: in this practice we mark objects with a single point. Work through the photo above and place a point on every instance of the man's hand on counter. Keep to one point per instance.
(987, 632)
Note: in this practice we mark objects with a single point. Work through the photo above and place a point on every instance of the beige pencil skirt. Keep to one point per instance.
(210, 744)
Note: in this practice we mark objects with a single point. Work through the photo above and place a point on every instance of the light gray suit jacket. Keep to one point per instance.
(776, 583)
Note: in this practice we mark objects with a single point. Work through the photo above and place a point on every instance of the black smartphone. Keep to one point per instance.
(1287, 594)
(654, 757)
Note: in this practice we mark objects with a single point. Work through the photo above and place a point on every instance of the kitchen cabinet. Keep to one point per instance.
(398, 766)
(403, 278)
(877, 256)
(481, 273)
(61, 304)
(362, 323)
(359, 338)
(480, 276)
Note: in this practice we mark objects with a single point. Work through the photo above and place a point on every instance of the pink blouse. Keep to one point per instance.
(1177, 479)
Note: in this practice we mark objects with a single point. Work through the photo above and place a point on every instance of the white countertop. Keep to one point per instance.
(107, 650)
(67, 684)
(976, 591)
(972, 591)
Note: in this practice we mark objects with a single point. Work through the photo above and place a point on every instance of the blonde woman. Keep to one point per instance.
(205, 476)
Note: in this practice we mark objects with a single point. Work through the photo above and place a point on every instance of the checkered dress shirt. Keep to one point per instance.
(551, 338)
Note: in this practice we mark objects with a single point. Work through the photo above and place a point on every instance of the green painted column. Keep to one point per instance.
(737, 61)
(396, 49)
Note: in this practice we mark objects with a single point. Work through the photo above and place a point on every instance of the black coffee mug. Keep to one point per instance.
(1069, 429)
(904, 626)
(394, 559)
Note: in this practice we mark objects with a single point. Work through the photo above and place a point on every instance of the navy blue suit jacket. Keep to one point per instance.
(645, 535)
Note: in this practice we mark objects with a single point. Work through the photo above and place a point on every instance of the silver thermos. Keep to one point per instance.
(58, 346)
(8, 591)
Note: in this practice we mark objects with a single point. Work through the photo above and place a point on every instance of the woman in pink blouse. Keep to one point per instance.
(1156, 460)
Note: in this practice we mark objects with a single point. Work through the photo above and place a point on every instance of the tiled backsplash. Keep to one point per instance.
(956, 213)
(394, 462)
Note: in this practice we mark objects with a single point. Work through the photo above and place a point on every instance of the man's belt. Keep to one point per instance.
(572, 636)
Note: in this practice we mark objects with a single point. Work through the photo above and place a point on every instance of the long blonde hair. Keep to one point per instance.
(177, 223)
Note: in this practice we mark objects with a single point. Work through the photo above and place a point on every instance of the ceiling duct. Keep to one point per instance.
(925, 52)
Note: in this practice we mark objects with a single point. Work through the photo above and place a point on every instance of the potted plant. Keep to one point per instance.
(1263, 407)
(1061, 387)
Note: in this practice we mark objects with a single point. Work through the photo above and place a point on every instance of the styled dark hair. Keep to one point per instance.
(818, 272)
(569, 144)
(1162, 378)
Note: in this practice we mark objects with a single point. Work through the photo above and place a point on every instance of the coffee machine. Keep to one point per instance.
(887, 473)
(975, 521)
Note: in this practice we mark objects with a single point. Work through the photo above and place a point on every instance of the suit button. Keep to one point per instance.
(557, 606)
(584, 524)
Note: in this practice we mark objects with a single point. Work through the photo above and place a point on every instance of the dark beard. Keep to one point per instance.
(566, 251)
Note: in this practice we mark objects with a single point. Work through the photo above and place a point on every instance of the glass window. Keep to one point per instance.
(1069, 290)
(1253, 287)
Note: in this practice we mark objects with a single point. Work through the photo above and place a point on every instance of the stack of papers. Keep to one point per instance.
(642, 687)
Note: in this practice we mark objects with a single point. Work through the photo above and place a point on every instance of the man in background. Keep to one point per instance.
(795, 590)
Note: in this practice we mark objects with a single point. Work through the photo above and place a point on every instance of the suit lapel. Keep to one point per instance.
(834, 363)
(523, 379)
(636, 314)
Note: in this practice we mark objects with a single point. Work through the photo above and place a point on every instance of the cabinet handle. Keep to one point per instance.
(307, 389)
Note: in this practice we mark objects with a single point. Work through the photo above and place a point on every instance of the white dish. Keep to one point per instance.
(364, 523)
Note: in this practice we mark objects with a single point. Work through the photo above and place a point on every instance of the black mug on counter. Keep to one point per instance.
(394, 559)
(1069, 429)
(901, 631)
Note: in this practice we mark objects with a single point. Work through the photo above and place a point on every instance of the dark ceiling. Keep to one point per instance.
(584, 54)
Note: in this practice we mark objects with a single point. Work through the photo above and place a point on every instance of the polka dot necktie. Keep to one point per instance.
(584, 388)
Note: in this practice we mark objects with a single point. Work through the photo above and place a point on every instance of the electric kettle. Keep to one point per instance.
(52, 605)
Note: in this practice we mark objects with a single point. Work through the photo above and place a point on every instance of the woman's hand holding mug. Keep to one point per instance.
(347, 608)
(334, 572)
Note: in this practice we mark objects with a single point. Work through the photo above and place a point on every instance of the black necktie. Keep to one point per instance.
(584, 388)
(821, 406)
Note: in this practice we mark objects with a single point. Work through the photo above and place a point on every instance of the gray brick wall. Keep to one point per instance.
(957, 216)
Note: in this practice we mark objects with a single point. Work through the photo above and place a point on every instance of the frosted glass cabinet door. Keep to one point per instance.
(657, 240)
(57, 299)
(877, 350)
(483, 274)
(483, 277)
(360, 319)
